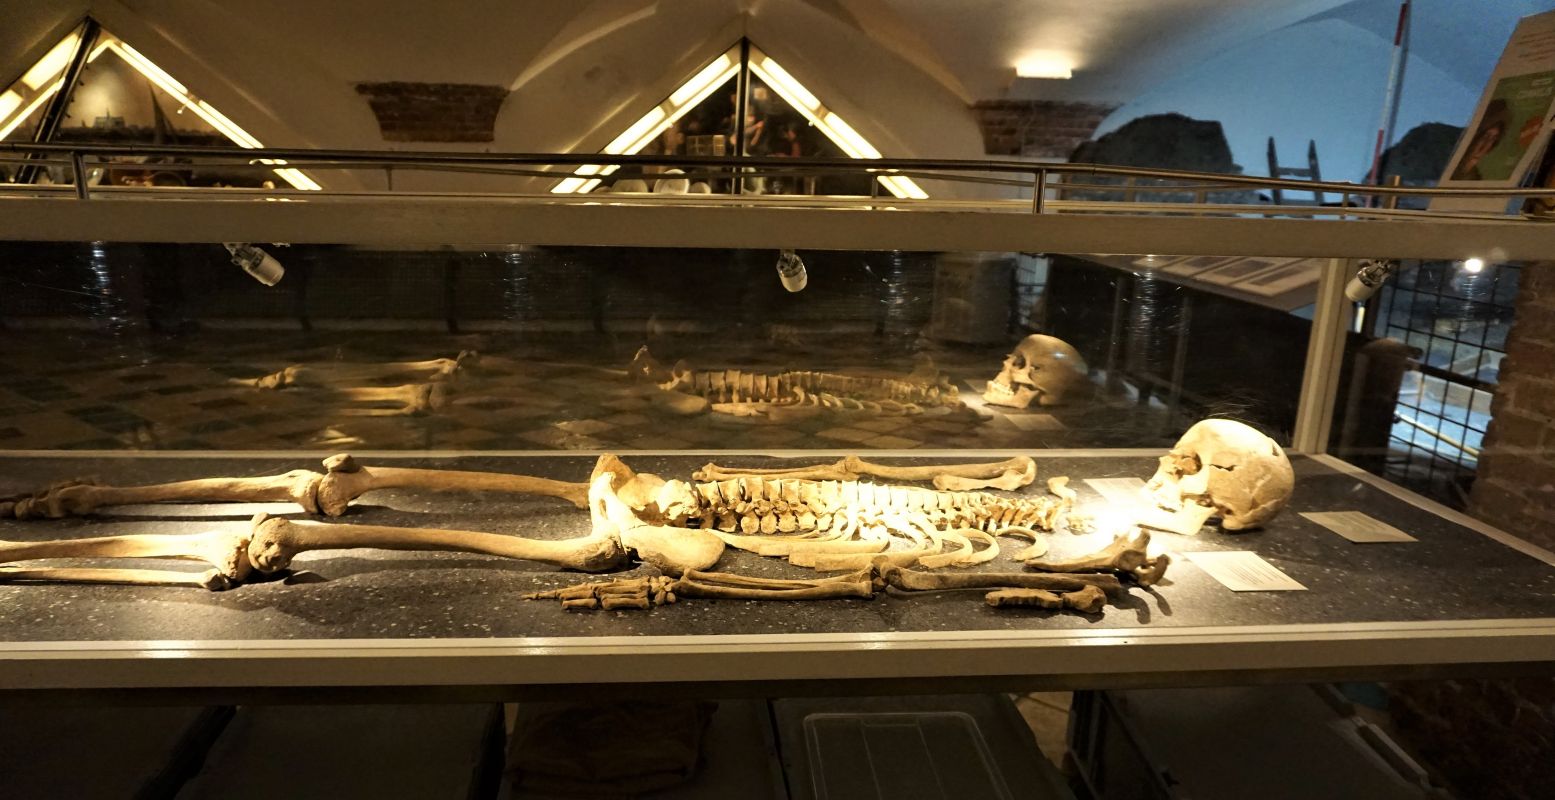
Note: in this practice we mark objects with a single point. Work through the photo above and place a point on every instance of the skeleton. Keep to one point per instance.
(761, 394)
(1041, 369)
(1219, 468)
(341, 381)
(678, 527)
(336, 373)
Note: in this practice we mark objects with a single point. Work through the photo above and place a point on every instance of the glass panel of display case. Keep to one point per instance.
(117, 345)
(1421, 370)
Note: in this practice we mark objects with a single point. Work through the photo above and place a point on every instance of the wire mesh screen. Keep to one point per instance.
(1456, 316)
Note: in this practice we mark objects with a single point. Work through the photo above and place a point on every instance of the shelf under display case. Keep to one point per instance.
(1463, 597)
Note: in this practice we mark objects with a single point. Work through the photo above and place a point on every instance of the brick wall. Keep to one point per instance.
(1495, 739)
(1037, 128)
(434, 112)
(1515, 487)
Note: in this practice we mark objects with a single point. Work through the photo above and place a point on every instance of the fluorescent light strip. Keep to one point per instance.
(52, 64)
(704, 83)
(226, 127)
(707, 77)
(7, 128)
(8, 103)
(792, 90)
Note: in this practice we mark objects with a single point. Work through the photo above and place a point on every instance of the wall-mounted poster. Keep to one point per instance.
(1512, 123)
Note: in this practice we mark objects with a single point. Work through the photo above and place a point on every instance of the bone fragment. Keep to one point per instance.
(68, 499)
(1125, 556)
(345, 480)
(1089, 599)
(275, 542)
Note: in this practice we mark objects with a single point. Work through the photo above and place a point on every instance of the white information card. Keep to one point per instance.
(1123, 491)
(1358, 526)
(1244, 571)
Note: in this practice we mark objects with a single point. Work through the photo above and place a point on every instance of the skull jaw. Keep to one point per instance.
(1010, 395)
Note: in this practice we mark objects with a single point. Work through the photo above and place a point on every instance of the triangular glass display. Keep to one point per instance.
(782, 118)
(119, 96)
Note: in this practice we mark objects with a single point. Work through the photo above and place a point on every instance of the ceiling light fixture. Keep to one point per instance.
(1050, 67)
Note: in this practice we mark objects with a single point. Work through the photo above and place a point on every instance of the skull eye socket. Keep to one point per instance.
(1017, 361)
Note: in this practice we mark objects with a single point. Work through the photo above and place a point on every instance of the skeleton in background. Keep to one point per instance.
(876, 531)
(1219, 468)
(761, 394)
(1041, 369)
(344, 382)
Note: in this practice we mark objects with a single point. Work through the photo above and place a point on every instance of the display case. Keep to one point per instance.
(643, 443)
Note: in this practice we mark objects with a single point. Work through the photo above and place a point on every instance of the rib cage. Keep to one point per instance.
(785, 505)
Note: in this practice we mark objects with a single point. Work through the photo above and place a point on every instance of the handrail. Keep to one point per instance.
(1039, 173)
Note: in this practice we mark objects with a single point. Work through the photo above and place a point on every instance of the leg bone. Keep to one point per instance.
(276, 541)
(298, 486)
(226, 551)
(345, 480)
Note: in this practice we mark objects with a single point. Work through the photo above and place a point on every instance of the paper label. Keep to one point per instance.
(1244, 571)
(1358, 526)
(1123, 491)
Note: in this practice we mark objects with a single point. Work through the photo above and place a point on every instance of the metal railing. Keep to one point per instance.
(1052, 187)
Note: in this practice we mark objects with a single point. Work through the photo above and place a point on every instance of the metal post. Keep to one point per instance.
(742, 90)
(1038, 189)
(1325, 358)
(55, 110)
(78, 166)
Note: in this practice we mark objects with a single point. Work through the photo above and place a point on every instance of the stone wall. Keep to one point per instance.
(1037, 128)
(434, 112)
(1496, 738)
(1515, 487)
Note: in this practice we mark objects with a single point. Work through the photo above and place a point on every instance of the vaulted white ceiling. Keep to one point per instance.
(906, 70)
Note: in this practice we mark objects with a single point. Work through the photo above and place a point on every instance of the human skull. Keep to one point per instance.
(1041, 368)
(1222, 468)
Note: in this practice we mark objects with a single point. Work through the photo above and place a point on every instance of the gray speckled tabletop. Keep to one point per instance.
(1453, 573)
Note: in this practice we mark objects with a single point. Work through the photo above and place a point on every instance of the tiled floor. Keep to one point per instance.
(77, 390)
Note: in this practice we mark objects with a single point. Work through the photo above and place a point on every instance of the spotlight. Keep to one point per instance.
(1369, 278)
(256, 262)
(1473, 266)
(791, 271)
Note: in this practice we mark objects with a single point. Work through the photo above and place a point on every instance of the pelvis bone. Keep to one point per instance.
(749, 394)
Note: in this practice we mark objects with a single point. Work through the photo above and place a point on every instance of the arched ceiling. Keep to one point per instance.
(904, 70)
